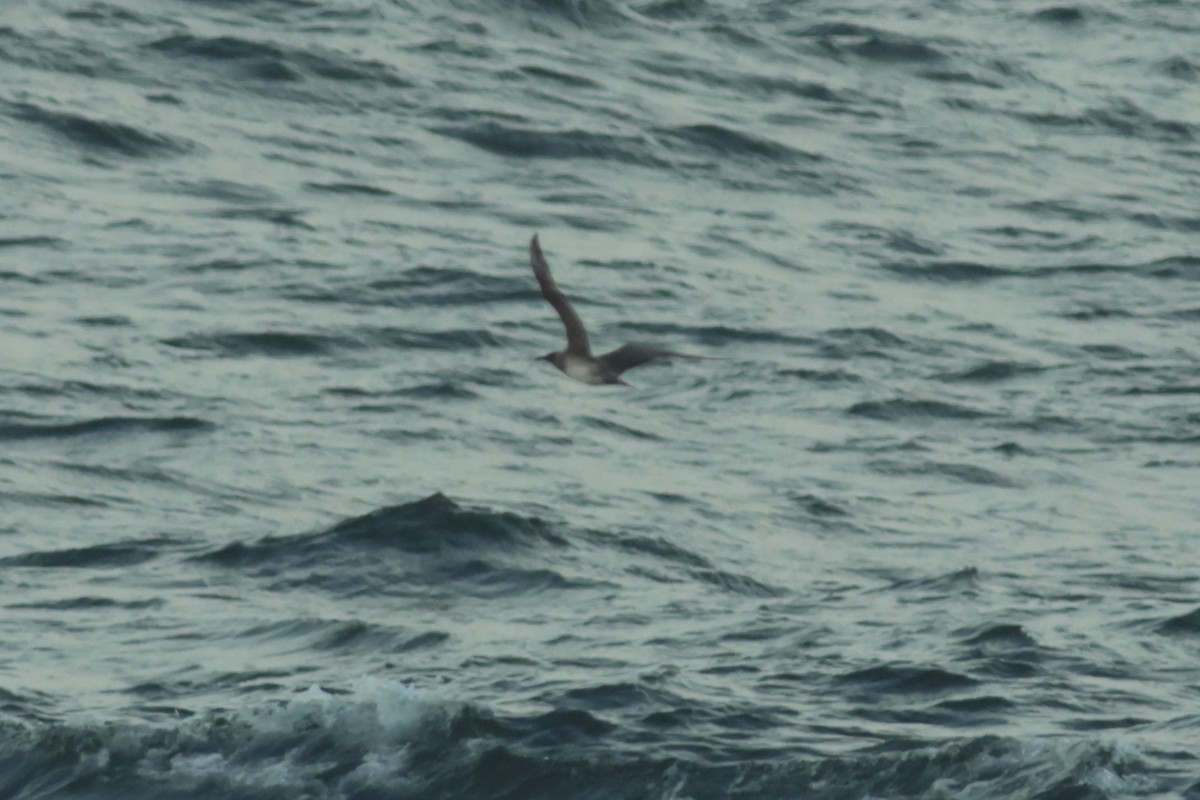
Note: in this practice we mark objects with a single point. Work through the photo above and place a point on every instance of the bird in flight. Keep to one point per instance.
(577, 360)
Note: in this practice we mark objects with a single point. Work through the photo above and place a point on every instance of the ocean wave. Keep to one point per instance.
(270, 62)
(907, 679)
(281, 344)
(29, 241)
(317, 742)
(63, 54)
(730, 143)
(431, 525)
(528, 142)
(90, 603)
(903, 409)
(380, 737)
(994, 372)
(719, 334)
(410, 548)
(100, 137)
(1122, 118)
(962, 473)
(103, 556)
(1183, 624)
(948, 271)
(102, 426)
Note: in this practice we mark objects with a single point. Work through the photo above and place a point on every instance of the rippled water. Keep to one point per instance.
(291, 510)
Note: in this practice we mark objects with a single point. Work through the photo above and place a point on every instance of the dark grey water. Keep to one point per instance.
(288, 509)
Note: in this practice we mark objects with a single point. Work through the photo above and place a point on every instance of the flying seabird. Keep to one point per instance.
(577, 360)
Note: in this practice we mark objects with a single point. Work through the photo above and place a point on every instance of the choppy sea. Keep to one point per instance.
(289, 509)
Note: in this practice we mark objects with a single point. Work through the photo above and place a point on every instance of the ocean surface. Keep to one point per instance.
(289, 509)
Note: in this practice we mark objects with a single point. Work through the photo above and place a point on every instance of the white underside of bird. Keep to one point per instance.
(583, 370)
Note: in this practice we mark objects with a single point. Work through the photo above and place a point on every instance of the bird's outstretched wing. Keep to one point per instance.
(577, 338)
(635, 354)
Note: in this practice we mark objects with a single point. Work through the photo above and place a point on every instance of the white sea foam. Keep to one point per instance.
(292, 746)
(376, 710)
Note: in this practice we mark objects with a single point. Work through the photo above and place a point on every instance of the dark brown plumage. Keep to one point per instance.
(577, 360)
